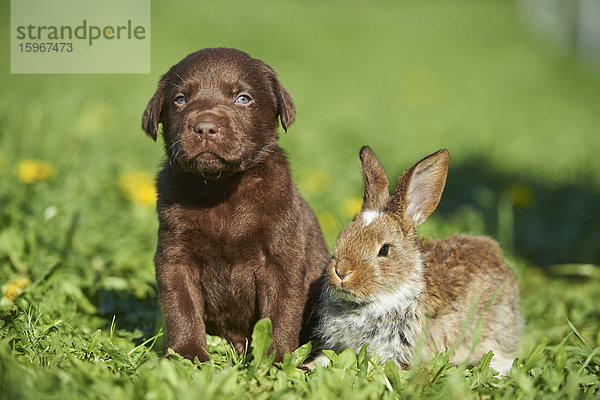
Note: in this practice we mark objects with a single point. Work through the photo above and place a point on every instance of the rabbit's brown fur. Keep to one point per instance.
(462, 271)
(391, 290)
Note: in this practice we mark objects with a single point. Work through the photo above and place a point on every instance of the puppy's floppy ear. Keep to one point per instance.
(375, 182)
(151, 116)
(285, 104)
(287, 110)
(420, 188)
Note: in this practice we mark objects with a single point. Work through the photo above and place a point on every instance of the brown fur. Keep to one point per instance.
(236, 241)
(463, 271)
(373, 177)
(387, 288)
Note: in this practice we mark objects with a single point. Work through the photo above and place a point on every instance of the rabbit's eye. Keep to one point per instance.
(385, 250)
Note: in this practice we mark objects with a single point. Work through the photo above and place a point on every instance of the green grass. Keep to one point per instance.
(405, 77)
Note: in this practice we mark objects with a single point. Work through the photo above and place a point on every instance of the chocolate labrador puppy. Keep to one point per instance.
(236, 240)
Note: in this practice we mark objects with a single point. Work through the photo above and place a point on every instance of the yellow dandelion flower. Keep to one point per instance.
(315, 181)
(521, 195)
(29, 170)
(351, 206)
(138, 187)
(327, 221)
(13, 289)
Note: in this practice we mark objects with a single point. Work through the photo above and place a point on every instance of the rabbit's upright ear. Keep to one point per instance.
(420, 188)
(376, 188)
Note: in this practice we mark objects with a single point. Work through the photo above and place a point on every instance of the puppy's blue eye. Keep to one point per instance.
(243, 99)
(180, 99)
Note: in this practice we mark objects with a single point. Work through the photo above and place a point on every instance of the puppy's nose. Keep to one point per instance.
(206, 128)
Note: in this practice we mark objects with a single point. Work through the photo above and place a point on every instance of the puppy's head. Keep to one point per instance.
(219, 110)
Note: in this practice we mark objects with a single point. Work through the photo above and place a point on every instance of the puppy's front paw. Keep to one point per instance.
(189, 352)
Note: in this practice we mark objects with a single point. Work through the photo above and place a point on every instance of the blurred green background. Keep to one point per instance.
(518, 114)
(510, 88)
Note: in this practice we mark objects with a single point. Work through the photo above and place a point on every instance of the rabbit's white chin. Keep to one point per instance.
(338, 294)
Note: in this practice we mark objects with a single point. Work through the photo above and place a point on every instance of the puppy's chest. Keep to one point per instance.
(227, 223)
(230, 294)
(228, 247)
(216, 237)
(228, 251)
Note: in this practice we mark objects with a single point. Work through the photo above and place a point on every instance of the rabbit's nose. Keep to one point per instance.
(343, 275)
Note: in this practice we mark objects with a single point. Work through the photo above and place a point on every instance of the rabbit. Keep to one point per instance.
(397, 293)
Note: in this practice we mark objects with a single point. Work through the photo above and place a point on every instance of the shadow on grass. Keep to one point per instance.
(543, 223)
(141, 316)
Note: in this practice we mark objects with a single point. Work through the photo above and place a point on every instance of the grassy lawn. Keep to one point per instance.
(78, 309)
